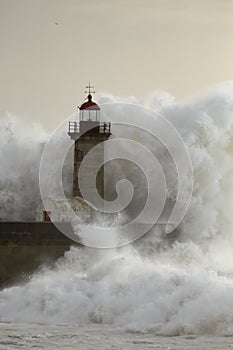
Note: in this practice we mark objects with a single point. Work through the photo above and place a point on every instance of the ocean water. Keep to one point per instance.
(72, 337)
(154, 294)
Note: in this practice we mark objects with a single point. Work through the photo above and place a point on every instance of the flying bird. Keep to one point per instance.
(56, 23)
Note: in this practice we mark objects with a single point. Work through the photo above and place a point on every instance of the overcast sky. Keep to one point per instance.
(128, 47)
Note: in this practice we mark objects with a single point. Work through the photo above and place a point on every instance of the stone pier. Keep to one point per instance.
(25, 246)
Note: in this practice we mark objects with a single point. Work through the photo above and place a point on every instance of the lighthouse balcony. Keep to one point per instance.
(77, 129)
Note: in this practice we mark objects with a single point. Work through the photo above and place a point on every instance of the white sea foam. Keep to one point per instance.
(182, 287)
(21, 146)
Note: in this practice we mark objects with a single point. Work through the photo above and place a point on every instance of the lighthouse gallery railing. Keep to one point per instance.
(102, 128)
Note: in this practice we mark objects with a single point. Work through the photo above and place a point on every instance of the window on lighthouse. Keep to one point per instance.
(90, 115)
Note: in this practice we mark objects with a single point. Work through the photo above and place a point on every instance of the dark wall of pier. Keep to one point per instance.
(25, 246)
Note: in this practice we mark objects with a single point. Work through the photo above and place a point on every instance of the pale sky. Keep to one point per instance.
(125, 48)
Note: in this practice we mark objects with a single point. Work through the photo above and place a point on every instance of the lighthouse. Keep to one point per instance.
(87, 132)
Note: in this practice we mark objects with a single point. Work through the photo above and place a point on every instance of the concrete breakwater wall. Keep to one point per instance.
(25, 246)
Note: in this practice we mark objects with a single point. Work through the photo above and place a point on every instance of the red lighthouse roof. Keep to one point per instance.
(90, 105)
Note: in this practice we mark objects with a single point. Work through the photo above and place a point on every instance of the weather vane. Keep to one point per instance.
(89, 87)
